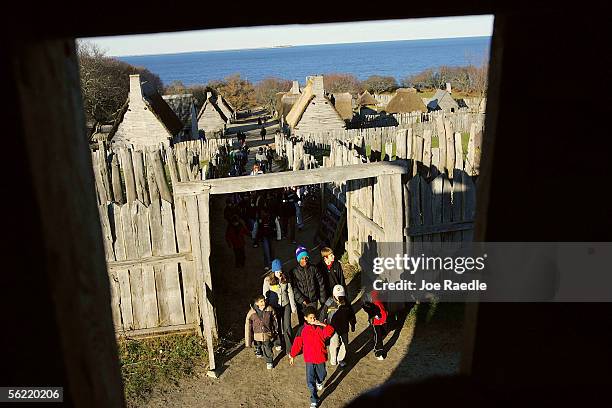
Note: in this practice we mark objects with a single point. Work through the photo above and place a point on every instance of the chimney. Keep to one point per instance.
(208, 95)
(135, 89)
(295, 88)
(448, 88)
(317, 86)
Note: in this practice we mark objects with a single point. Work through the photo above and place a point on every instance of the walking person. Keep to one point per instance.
(262, 133)
(269, 157)
(331, 270)
(310, 338)
(307, 283)
(299, 191)
(252, 216)
(234, 236)
(279, 294)
(260, 158)
(256, 170)
(261, 329)
(338, 312)
(287, 213)
(377, 317)
(265, 234)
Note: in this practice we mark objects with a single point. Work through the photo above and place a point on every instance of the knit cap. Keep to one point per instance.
(277, 265)
(300, 253)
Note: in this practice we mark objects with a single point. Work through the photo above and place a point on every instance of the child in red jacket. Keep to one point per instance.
(311, 338)
(377, 316)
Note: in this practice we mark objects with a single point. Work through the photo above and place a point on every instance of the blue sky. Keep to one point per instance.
(302, 34)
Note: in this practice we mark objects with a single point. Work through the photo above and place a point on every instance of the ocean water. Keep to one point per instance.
(390, 58)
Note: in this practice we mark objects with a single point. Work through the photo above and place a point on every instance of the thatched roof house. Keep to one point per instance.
(343, 102)
(405, 100)
(366, 99)
(442, 100)
(184, 108)
(286, 100)
(145, 118)
(313, 112)
(211, 118)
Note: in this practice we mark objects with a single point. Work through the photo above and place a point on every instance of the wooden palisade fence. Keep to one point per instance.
(153, 240)
(438, 192)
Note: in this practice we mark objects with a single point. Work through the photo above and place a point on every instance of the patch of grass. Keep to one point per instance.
(368, 150)
(435, 142)
(157, 362)
(465, 139)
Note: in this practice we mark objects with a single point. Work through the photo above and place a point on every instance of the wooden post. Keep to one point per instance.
(450, 147)
(70, 290)
(116, 177)
(196, 246)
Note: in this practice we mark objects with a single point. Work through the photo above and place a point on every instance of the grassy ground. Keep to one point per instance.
(157, 362)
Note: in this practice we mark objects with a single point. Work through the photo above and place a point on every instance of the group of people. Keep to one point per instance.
(318, 295)
(265, 216)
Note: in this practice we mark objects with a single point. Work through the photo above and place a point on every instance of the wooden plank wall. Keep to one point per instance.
(146, 234)
(438, 197)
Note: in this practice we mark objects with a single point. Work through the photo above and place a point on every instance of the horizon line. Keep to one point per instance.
(296, 45)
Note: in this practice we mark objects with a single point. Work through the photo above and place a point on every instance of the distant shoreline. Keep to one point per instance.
(296, 46)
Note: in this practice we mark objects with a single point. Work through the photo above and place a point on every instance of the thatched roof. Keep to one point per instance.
(222, 100)
(181, 105)
(287, 101)
(210, 102)
(161, 110)
(366, 99)
(294, 116)
(405, 100)
(343, 102)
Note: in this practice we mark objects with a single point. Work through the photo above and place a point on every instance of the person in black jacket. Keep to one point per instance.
(307, 283)
(331, 270)
(338, 312)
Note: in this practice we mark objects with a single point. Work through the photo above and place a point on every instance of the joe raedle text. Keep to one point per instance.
(475, 285)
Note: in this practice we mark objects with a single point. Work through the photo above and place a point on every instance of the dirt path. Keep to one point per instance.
(416, 349)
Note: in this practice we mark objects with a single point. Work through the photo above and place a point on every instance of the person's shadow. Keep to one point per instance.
(357, 349)
(361, 346)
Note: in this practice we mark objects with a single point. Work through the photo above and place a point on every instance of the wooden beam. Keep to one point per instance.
(157, 331)
(438, 228)
(293, 178)
(152, 260)
(369, 222)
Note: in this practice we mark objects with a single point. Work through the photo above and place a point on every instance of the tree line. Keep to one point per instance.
(105, 84)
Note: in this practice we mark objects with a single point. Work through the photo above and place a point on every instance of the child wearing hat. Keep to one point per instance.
(279, 294)
(338, 312)
(307, 283)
